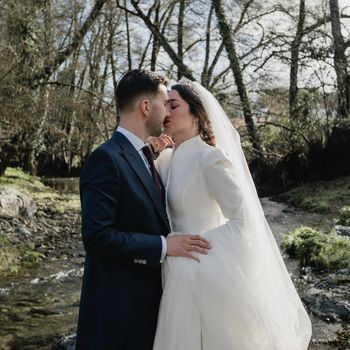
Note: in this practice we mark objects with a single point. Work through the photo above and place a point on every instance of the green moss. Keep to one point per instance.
(16, 257)
(4, 241)
(44, 196)
(317, 249)
(31, 259)
(344, 216)
(320, 196)
(10, 256)
(15, 177)
(67, 202)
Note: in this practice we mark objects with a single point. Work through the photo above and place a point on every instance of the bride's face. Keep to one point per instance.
(180, 122)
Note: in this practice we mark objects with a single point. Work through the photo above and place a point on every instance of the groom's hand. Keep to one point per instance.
(185, 245)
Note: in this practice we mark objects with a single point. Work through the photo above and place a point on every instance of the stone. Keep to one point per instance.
(327, 306)
(24, 232)
(66, 342)
(342, 230)
(14, 204)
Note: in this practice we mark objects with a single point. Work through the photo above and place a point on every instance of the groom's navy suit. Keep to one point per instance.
(122, 220)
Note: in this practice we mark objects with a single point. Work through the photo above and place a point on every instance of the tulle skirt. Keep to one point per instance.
(236, 298)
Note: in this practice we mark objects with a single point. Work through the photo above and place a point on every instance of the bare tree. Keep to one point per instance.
(340, 61)
(159, 36)
(77, 40)
(237, 72)
(180, 34)
(155, 42)
(294, 63)
(128, 37)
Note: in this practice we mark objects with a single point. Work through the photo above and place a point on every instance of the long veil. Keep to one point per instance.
(269, 289)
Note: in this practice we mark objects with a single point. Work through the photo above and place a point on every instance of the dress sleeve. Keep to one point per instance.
(222, 185)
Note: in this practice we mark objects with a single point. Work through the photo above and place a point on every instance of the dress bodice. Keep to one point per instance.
(192, 184)
(190, 206)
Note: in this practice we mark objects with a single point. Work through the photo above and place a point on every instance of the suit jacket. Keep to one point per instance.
(122, 220)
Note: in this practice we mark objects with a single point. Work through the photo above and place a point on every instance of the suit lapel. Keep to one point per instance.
(133, 158)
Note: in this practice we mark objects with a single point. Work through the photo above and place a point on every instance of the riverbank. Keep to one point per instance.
(323, 249)
(39, 303)
(41, 264)
(27, 240)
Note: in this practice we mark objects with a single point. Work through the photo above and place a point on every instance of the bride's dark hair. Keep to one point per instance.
(197, 109)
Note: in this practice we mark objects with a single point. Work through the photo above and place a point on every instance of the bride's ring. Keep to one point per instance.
(192, 248)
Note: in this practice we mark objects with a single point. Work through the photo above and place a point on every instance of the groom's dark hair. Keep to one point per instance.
(136, 83)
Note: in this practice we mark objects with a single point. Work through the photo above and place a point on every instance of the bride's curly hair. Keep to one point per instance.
(197, 109)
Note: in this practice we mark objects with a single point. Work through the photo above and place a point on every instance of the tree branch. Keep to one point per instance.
(58, 83)
(61, 56)
(286, 128)
(163, 41)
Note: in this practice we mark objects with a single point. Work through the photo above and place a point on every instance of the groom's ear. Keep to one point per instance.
(145, 106)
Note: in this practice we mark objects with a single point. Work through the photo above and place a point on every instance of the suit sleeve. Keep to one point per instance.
(100, 202)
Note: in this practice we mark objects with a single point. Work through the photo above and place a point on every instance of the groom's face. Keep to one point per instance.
(159, 110)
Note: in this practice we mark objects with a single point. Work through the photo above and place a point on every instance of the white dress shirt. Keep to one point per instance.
(138, 145)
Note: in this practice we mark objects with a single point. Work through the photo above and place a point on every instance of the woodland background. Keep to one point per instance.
(280, 69)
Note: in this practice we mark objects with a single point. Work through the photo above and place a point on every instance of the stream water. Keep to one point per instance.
(41, 306)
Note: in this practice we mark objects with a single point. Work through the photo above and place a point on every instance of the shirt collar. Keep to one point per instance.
(135, 140)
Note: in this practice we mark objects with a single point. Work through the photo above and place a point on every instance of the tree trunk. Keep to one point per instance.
(128, 38)
(340, 62)
(112, 26)
(237, 73)
(294, 108)
(180, 34)
(156, 44)
(205, 75)
(30, 163)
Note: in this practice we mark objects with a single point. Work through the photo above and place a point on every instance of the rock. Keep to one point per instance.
(23, 232)
(326, 306)
(66, 342)
(14, 204)
(342, 230)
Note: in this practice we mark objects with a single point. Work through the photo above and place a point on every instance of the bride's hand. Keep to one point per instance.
(160, 143)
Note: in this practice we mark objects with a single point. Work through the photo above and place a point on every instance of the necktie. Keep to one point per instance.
(156, 179)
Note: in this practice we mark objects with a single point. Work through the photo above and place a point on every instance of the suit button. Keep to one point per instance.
(136, 261)
(144, 262)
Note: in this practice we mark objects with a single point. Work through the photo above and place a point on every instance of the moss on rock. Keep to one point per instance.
(344, 216)
(322, 251)
(16, 257)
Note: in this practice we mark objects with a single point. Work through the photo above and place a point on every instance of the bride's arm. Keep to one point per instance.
(223, 184)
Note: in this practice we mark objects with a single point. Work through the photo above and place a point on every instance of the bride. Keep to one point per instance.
(240, 295)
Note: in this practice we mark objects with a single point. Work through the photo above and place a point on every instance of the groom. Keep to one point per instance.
(124, 225)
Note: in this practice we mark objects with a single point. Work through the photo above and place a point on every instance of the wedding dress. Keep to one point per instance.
(240, 296)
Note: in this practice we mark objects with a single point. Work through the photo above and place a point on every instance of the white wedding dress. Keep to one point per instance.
(240, 296)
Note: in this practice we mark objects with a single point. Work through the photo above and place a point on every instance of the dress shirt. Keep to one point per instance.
(138, 144)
